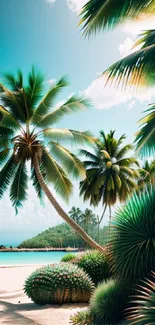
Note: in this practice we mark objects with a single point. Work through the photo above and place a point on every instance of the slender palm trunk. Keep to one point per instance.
(61, 212)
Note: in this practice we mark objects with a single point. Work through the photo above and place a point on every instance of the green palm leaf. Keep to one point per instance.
(6, 135)
(14, 83)
(56, 175)
(4, 155)
(35, 181)
(73, 104)
(77, 137)
(145, 137)
(19, 186)
(105, 14)
(48, 101)
(34, 89)
(7, 120)
(71, 163)
(6, 174)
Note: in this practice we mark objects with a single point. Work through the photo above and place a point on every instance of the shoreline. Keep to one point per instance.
(50, 249)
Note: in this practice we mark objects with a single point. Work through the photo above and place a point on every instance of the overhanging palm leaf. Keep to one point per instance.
(23, 126)
(105, 14)
(145, 137)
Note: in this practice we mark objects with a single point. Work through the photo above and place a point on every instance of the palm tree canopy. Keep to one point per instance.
(75, 214)
(106, 14)
(88, 219)
(27, 129)
(138, 68)
(145, 137)
(146, 174)
(110, 174)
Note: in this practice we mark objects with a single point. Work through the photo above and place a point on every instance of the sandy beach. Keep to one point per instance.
(17, 309)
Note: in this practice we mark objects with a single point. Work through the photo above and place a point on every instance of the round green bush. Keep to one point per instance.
(95, 264)
(133, 238)
(58, 284)
(108, 303)
(68, 257)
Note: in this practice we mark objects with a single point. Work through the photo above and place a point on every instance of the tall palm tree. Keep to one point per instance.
(75, 214)
(88, 220)
(147, 174)
(137, 68)
(110, 174)
(28, 134)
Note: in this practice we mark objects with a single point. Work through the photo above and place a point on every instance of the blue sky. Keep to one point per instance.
(45, 33)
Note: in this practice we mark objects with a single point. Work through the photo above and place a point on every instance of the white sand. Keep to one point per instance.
(17, 309)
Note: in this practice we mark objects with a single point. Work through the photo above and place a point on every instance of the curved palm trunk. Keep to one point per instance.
(61, 212)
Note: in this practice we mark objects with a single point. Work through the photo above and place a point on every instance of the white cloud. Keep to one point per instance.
(126, 47)
(105, 97)
(137, 26)
(76, 5)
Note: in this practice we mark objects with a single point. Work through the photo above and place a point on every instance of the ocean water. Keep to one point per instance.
(18, 258)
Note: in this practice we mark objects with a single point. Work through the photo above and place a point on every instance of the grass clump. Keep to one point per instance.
(68, 257)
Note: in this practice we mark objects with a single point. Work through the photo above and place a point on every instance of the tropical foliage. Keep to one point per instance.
(68, 257)
(76, 214)
(58, 284)
(133, 237)
(110, 173)
(28, 134)
(145, 137)
(143, 311)
(95, 264)
(108, 303)
(147, 174)
(103, 14)
(82, 318)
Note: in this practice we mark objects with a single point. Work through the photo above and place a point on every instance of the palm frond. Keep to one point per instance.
(19, 186)
(4, 155)
(35, 88)
(57, 134)
(71, 163)
(83, 138)
(35, 181)
(105, 14)
(6, 174)
(15, 83)
(73, 104)
(122, 152)
(7, 120)
(136, 69)
(145, 137)
(48, 101)
(56, 175)
(6, 135)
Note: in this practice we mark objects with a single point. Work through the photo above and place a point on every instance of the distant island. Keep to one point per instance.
(61, 237)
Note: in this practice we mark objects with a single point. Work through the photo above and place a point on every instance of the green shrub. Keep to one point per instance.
(95, 264)
(108, 303)
(143, 311)
(58, 284)
(82, 318)
(68, 257)
(133, 238)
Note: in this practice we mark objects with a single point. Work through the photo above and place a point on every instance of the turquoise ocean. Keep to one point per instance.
(19, 258)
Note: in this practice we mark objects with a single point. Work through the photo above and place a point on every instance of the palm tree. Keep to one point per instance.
(147, 174)
(88, 220)
(75, 214)
(137, 68)
(110, 175)
(28, 134)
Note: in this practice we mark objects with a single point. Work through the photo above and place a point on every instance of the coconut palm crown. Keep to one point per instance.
(28, 116)
(110, 174)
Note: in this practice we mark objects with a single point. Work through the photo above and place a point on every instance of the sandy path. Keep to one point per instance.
(17, 309)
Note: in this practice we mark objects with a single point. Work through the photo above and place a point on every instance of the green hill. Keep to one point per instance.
(59, 236)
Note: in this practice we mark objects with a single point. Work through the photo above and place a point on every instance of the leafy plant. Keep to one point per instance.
(133, 237)
(58, 284)
(108, 303)
(68, 257)
(82, 318)
(95, 264)
(143, 311)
